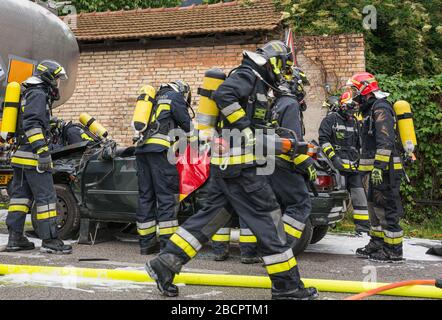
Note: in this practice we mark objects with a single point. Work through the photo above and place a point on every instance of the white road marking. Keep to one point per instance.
(139, 266)
(205, 294)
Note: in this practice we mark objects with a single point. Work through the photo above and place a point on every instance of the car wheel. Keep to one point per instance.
(319, 232)
(68, 213)
(306, 237)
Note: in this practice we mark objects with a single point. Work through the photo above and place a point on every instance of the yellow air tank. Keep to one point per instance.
(207, 115)
(10, 110)
(93, 125)
(405, 125)
(143, 108)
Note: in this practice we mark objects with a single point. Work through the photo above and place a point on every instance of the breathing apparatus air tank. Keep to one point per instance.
(207, 115)
(405, 125)
(10, 110)
(143, 108)
(93, 125)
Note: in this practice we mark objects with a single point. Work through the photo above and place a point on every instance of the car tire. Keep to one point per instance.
(68, 213)
(306, 237)
(319, 232)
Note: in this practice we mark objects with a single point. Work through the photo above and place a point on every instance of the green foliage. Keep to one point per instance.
(425, 96)
(103, 5)
(407, 40)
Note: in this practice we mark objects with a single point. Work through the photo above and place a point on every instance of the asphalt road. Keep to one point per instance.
(116, 254)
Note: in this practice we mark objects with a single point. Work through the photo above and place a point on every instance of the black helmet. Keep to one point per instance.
(50, 71)
(332, 103)
(182, 87)
(278, 54)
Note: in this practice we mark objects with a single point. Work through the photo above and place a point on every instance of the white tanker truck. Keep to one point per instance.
(30, 33)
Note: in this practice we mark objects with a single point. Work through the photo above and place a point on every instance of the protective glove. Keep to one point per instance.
(44, 162)
(376, 176)
(250, 139)
(312, 173)
(306, 165)
(337, 163)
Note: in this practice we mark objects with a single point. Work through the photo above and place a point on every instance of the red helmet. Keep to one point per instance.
(347, 104)
(364, 82)
(346, 97)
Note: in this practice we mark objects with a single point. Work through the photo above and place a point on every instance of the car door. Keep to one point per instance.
(110, 189)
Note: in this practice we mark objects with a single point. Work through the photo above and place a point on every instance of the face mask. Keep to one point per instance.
(54, 94)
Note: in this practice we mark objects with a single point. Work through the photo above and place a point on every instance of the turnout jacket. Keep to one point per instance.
(243, 102)
(286, 113)
(169, 112)
(71, 134)
(74, 133)
(339, 136)
(33, 127)
(380, 147)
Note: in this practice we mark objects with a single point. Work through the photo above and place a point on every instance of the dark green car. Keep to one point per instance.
(99, 184)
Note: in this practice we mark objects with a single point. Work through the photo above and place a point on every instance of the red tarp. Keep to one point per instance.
(193, 171)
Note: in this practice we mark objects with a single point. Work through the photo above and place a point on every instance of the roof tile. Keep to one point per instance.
(257, 15)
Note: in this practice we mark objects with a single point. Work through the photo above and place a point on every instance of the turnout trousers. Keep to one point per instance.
(158, 201)
(385, 210)
(252, 198)
(247, 241)
(29, 186)
(353, 183)
(293, 196)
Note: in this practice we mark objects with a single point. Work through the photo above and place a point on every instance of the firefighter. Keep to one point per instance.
(290, 176)
(234, 183)
(158, 181)
(339, 138)
(32, 163)
(247, 243)
(381, 158)
(67, 133)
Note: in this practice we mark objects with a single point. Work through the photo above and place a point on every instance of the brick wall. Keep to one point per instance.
(108, 81)
(327, 60)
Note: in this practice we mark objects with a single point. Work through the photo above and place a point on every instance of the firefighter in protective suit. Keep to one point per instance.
(67, 133)
(339, 138)
(289, 179)
(381, 158)
(234, 184)
(158, 181)
(32, 163)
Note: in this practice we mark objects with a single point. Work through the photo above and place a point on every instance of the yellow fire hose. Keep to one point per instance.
(226, 280)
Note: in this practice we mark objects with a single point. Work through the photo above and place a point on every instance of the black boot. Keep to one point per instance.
(221, 256)
(384, 256)
(55, 246)
(390, 254)
(18, 242)
(369, 249)
(300, 293)
(144, 251)
(250, 259)
(163, 276)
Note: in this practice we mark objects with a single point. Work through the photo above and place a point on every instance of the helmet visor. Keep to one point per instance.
(61, 74)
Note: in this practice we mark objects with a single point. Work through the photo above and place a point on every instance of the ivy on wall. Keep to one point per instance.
(425, 97)
(406, 37)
